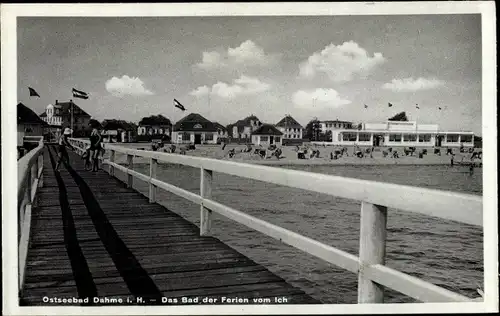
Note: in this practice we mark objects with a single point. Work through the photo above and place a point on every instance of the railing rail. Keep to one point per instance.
(30, 178)
(376, 198)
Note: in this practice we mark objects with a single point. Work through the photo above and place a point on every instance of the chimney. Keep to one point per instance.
(57, 102)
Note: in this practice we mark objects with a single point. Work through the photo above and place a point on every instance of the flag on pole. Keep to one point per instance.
(178, 105)
(390, 105)
(33, 93)
(80, 94)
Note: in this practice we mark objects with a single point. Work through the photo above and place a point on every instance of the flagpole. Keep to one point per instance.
(71, 118)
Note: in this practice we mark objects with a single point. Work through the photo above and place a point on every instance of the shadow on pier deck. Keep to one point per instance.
(93, 237)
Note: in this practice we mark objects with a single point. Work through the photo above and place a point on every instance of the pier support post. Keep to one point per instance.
(130, 178)
(112, 159)
(371, 250)
(152, 174)
(205, 192)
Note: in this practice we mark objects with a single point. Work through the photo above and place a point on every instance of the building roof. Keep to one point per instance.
(26, 116)
(66, 107)
(288, 122)
(155, 120)
(194, 122)
(336, 121)
(267, 129)
(241, 124)
(44, 114)
(219, 126)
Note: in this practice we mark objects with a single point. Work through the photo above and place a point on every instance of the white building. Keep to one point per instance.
(290, 128)
(334, 125)
(267, 135)
(403, 134)
(194, 129)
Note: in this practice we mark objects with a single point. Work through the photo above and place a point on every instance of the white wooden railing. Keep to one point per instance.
(376, 198)
(29, 177)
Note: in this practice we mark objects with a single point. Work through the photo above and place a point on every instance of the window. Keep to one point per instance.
(410, 137)
(453, 138)
(395, 137)
(424, 138)
(349, 137)
(466, 138)
(186, 136)
(277, 139)
(209, 136)
(364, 137)
(264, 138)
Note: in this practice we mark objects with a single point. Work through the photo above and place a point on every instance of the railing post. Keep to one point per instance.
(371, 250)
(130, 162)
(205, 192)
(152, 174)
(112, 160)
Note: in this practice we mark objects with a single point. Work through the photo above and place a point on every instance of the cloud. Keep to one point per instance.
(211, 60)
(243, 86)
(410, 84)
(126, 86)
(341, 62)
(247, 54)
(319, 98)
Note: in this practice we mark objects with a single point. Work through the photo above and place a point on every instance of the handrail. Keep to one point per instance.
(30, 178)
(375, 199)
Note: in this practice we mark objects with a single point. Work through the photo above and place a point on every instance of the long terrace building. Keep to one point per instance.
(402, 134)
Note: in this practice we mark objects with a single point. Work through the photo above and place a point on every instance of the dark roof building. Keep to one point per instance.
(288, 122)
(249, 121)
(26, 116)
(194, 122)
(118, 125)
(65, 109)
(220, 126)
(267, 129)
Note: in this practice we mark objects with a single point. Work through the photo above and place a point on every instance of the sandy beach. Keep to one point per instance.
(289, 156)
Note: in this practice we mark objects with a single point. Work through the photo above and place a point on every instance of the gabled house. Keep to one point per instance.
(28, 123)
(194, 129)
(244, 128)
(290, 128)
(266, 135)
(221, 130)
(67, 114)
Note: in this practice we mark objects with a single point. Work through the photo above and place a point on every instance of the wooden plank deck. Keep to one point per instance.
(93, 237)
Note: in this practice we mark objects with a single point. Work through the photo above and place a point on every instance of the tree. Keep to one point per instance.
(313, 130)
(155, 120)
(400, 117)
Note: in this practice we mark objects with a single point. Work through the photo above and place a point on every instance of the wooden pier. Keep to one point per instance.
(93, 237)
(85, 234)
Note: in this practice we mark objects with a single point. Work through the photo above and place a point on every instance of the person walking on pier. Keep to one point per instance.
(95, 146)
(62, 143)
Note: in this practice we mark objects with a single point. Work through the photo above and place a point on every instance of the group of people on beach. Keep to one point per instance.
(91, 154)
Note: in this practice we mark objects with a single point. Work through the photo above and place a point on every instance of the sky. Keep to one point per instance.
(227, 68)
